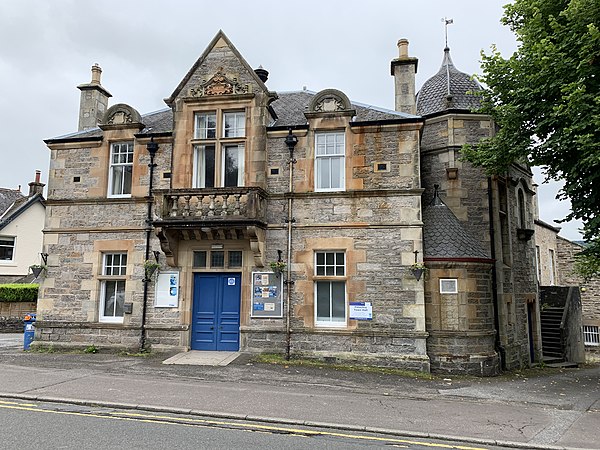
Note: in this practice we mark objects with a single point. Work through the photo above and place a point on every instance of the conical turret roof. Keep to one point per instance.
(448, 89)
(444, 236)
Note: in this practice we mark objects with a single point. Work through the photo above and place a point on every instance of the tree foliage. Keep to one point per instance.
(545, 99)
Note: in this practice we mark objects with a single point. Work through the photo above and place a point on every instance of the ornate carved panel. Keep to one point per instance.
(219, 84)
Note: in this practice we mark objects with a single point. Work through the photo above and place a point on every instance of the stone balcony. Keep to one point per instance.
(237, 213)
(211, 205)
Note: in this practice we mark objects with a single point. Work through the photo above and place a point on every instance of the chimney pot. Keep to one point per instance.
(403, 48)
(96, 72)
(262, 74)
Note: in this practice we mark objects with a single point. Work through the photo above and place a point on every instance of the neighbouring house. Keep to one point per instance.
(21, 224)
(300, 222)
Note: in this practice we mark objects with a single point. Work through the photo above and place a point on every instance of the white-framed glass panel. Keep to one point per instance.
(330, 293)
(121, 169)
(330, 151)
(112, 287)
(205, 125)
(448, 286)
(330, 297)
(7, 248)
(233, 165)
(204, 166)
(234, 124)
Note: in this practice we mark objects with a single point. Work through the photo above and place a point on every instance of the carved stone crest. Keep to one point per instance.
(219, 84)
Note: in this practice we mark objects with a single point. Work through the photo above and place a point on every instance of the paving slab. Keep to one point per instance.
(198, 358)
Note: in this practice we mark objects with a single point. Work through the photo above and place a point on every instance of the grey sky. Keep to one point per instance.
(145, 47)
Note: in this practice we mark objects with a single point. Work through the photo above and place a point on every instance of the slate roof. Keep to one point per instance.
(7, 198)
(444, 235)
(433, 96)
(18, 207)
(291, 106)
(156, 122)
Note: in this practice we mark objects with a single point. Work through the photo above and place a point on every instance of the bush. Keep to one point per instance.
(19, 292)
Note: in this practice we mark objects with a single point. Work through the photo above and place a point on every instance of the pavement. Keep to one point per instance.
(545, 409)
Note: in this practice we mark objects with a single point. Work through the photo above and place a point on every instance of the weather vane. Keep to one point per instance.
(446, 23)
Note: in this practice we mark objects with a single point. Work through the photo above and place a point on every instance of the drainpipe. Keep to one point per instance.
(290, 140)
(497, 341)
(152, 148)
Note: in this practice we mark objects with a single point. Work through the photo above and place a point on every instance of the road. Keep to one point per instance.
(50, 425)
(549, 408)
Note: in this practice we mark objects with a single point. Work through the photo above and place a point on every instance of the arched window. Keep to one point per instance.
(521, 200)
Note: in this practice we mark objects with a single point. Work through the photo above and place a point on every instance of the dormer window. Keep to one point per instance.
(219, 149)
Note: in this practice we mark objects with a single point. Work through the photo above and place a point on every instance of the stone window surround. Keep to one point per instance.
(97, 260)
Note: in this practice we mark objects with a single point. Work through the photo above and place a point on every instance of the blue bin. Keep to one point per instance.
(29, 331)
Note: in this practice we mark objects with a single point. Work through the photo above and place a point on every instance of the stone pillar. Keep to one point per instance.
(94, 101)
(403, 69)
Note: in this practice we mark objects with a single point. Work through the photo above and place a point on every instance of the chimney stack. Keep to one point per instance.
(404, 69)
(35, 187)
(94, 101)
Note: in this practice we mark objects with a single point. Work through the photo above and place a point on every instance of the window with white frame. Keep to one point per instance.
(121, 169)
(330, 167)
(219, 156)
(112, 287)
(330, 289)
(591, 335)
(7, 248)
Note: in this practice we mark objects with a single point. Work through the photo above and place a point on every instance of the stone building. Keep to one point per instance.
(287, 222)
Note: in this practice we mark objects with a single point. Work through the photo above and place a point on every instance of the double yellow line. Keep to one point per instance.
(211, 423)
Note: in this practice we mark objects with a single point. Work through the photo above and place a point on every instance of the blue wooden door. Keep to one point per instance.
(216, 313)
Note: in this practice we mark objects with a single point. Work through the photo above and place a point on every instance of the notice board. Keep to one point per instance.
(167, 290)
(267, 295)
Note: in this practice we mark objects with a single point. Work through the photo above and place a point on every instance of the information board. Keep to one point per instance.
(267, 295)
(361, 311)
(166, 293)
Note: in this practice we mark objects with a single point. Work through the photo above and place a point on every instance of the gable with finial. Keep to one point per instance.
(220, 71)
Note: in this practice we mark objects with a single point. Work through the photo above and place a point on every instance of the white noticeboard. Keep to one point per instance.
(361, 311)
(167, 290)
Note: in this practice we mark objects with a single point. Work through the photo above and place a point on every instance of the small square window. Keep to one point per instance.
(199, 259)
(449, 286)
(217, 259)
(235, 258)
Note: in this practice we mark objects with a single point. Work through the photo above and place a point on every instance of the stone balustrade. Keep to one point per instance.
(216, 204)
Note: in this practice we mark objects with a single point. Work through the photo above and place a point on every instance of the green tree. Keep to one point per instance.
(546, 100)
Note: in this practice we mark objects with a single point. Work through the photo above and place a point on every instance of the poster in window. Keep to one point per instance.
(166, 293)
(267, 295)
